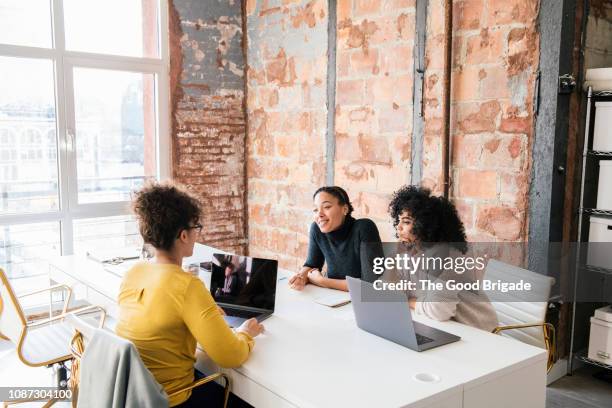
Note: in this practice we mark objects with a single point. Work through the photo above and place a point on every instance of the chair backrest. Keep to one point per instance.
(95, 372)
(520, 307)
(12, 319)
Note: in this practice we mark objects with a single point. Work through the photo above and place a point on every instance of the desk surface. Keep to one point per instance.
(313, 355)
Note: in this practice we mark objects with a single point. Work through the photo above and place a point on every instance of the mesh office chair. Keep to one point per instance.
(83, 333)
(38, 343)
(521, 319)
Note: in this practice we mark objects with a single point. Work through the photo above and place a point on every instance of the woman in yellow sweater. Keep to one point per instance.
(166, 311)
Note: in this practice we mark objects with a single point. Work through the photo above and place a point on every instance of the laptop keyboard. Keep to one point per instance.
(422, 339)
(241, 313)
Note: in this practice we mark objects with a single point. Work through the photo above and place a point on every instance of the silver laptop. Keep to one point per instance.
(387, 315)
(243, 287)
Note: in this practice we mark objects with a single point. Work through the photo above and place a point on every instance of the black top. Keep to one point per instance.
(348, 251)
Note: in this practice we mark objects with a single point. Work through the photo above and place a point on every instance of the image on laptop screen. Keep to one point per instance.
(243, 281)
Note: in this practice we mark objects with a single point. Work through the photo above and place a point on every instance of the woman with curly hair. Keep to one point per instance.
(165, 311)
(346, 245)
(429, 226)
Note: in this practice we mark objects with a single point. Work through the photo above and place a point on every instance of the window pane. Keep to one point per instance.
(106, 233)
(25, 248)
(26, 22)
(28, 142)
(118, 27)
(115, 133)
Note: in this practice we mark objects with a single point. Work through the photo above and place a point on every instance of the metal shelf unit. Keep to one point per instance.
(596, 211)
(582, 357)
(583, 211)
(596, 269)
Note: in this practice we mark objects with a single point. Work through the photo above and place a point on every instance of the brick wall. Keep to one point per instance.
(208, 117)
(495, 61)
(286, 86)
(375, 42)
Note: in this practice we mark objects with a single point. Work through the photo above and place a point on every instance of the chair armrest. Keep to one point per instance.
(548, 330)
(520, 326)
(85, 309)
(203, 381)
(51, 289)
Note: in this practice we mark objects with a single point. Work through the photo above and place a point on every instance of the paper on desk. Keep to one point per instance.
(122, 268)
(112, 254)
(334, 300)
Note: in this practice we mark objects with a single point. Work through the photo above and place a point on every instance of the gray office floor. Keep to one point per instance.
(581, 390)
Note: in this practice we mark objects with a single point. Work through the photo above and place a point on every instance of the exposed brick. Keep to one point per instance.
(478, 118)
(467, 150)
(388, 90)
(398, 4)
(345, 8)
(466, 84)
(477, 184)
(512, 11)
(405, 26)
(350, 92)
(374, 149)
(365, 7)
(501, 222)
(280, 188)
(343, 61)
(494, 83)
(465, 209)
(208, 118)
(367, 204)
(486, 47)
(364, 62)
(396, 59)
(504, 151)
(467, 14)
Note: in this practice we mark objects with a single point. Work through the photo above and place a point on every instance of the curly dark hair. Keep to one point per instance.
(435, 218)
(337, 192)
(163, 210)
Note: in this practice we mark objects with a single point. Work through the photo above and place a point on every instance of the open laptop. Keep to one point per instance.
(387, 314)
(243, 287)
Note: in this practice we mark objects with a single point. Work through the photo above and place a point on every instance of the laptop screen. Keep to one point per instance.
(243, 281)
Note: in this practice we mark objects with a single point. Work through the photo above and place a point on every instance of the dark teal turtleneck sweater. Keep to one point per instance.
(348, 251)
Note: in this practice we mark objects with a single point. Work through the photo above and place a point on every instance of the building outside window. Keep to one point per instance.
(83, 123)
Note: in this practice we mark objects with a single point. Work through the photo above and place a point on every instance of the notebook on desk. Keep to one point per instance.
(334, 299)
(114, 255)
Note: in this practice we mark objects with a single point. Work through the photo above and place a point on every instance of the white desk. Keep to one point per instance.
(315, 356)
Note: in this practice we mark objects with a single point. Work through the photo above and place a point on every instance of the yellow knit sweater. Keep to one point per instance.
(164, 311)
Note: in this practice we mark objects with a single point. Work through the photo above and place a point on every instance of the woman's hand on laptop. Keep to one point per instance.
(251, 327)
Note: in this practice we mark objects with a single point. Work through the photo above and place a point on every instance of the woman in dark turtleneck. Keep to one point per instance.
(336, 239)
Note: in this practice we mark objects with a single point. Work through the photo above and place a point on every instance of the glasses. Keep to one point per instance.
(197, 226)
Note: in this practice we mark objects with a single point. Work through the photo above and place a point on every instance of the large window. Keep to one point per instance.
(83, 122)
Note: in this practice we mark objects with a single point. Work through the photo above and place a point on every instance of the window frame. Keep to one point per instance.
(64, 62)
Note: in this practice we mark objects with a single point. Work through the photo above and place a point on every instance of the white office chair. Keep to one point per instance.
(38, 343)
(523, 319)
